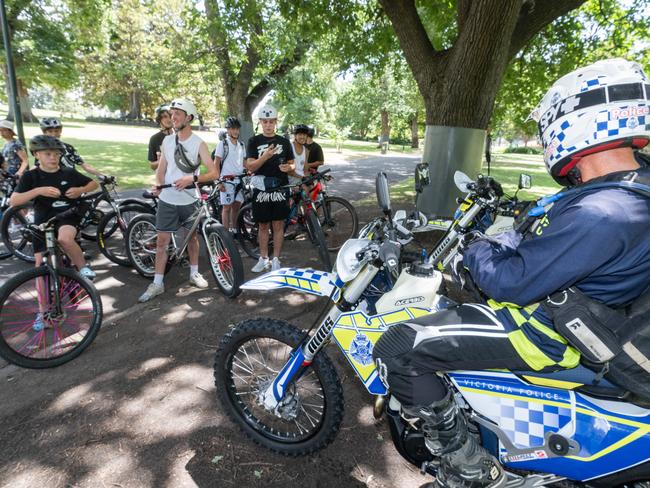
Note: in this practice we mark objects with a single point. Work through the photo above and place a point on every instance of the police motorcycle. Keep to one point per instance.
(279, 386)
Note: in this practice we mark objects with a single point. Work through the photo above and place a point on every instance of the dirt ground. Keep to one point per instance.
(138, 408)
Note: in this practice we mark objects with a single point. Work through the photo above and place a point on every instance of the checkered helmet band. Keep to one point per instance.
(599, 107)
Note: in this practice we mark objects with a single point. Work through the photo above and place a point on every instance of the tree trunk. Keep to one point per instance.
(415, 139)
(459, 84)
(385, 126)
(23, 99)
(135, 101)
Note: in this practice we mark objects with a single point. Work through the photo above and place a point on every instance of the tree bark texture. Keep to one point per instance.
(135, 102)
(459, 84)
(415, 138)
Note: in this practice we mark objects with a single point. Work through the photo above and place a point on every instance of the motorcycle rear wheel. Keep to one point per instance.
(248, 358)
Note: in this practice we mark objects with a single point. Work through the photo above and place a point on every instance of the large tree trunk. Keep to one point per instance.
(25, 103)
(135, 105)
(459, 84)
(415, 138)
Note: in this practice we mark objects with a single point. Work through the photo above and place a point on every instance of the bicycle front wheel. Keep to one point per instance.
(141, 241)
(318, 239)
(339, 221)
(43, 325)
(225, 262)
(111, 233)
(14, 220)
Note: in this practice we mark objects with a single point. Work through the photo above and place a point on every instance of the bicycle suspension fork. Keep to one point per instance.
(302, 357)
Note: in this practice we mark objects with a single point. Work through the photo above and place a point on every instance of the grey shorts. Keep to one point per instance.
(169, 218)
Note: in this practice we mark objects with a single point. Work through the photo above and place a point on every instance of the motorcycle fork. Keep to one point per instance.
(303, 355)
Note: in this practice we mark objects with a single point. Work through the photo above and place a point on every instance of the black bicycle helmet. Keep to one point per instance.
(232, 123)
(300, 129)
(50, 123)
(43, 142)
(160, 109)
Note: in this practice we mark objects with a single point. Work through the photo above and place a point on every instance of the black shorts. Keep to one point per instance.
(39, 238)
(270, 205)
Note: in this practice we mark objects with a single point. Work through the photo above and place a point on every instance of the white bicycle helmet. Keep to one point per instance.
(267, 112)
(186, 106)
(597, 108)
(50, 123)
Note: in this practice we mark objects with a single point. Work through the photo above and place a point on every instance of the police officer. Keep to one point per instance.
(597, 240)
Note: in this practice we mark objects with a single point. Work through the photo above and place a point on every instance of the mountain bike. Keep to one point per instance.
(336, 215)
(225, 262)
(7, 184)
(303, 217)
(50, 314)
(17, 218)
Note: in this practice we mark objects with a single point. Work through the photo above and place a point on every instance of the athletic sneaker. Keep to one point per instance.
(197, 280)
(86, 272)
(262, 264)
(153, 290)
(38, 324)
(275, 264)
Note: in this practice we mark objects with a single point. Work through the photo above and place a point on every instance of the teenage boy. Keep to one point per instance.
(51, 126)
(54, 189)
(315, 157)
(164, 121)
(13, 152)
(270, 159)
(179, 165)
(229, 161)
(300, 153)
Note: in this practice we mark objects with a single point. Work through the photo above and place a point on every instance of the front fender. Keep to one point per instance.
(306, 280)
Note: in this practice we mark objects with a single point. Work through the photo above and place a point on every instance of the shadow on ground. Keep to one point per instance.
(138, 408)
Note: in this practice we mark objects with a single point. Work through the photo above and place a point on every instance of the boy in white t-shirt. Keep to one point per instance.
(230, 164)
(179, 165)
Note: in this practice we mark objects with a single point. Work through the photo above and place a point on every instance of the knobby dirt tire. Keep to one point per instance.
(323, 370)
(341, 224)
(21, 247)
(143, 257)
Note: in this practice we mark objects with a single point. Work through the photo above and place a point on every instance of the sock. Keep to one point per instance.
(194, 269)
(158, 279)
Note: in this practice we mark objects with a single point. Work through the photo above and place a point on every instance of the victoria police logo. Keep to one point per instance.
(632, 123)
(361, 349)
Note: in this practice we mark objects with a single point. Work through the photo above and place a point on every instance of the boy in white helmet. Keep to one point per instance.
(270, 158)
(595, 239)
(180, 166)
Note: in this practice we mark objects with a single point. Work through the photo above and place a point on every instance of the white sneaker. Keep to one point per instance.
(275, 264)
(152, 290)
(197, 280)
(262, 264)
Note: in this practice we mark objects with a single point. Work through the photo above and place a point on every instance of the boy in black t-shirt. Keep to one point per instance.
(164, 120)
(269, 158)
(315, 156)
(54, 190)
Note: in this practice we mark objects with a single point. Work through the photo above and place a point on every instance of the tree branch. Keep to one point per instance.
(219, 41)
(265, 85)
(462, 12)
(534, 16)
(412, 36)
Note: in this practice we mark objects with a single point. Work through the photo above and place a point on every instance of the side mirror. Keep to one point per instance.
(383, 194)
(525, 181)
(461, 180)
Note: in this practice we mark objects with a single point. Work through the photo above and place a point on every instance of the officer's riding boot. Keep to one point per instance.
(464, 463)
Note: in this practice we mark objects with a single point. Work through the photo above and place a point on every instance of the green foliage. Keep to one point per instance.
(523, 150)
(599, 29)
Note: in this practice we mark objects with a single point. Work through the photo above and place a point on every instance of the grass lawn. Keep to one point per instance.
(505, 168)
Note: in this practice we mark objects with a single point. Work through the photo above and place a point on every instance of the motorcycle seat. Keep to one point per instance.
(580, 379)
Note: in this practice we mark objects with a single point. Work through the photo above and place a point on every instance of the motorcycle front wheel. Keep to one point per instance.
(247, 361)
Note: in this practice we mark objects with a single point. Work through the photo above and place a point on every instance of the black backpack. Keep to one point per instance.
(226, 149)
